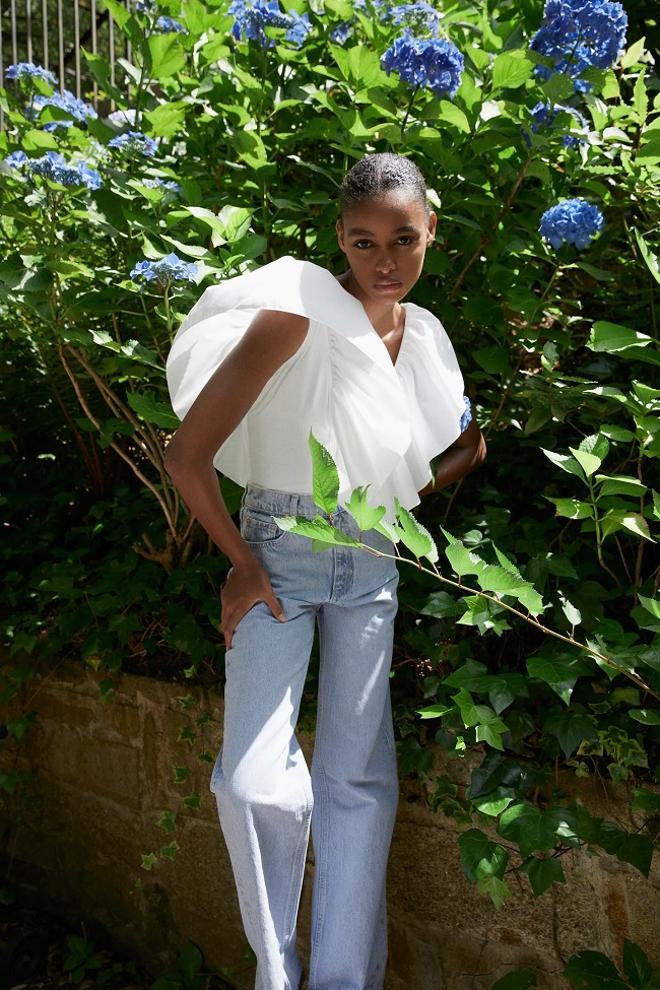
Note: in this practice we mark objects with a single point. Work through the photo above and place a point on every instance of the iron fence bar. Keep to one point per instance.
(76, 43)
(95, 88)
(60, 43)
(28, 29)
(2, 70)
(129, 47)
(111, 48)
(44, 30)
(53, 34)
(14, 38)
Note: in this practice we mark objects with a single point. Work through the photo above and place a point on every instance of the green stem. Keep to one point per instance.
(408, 109)
(521, 615)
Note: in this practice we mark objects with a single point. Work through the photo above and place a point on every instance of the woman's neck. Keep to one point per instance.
(386, 318)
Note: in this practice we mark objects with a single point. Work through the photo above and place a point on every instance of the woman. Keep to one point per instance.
(259, 362)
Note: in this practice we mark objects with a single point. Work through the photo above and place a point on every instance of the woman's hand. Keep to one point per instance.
(247, 583)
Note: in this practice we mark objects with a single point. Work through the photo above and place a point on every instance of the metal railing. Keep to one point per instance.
(52, 33)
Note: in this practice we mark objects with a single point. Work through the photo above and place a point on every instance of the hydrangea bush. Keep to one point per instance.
(538, 135)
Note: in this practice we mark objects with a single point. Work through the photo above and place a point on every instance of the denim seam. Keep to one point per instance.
(296, 881)
(321, 867)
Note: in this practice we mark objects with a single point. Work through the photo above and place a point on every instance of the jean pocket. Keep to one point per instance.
(258, 528)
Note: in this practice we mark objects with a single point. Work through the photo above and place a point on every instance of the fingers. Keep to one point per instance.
(275, 606)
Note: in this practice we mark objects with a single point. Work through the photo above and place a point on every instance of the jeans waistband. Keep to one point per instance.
(286, 503)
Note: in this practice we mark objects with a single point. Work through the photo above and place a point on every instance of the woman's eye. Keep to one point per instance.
(404, 237)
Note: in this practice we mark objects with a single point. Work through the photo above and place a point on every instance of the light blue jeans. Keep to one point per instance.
(265, 794)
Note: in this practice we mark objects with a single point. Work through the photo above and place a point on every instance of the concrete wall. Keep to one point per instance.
(105, 777)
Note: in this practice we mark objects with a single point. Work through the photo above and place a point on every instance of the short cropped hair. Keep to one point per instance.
(376, 174)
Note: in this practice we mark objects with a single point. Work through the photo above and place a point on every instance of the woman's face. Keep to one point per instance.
(385, 241)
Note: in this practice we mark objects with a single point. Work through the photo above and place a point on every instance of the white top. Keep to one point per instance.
(381, 422)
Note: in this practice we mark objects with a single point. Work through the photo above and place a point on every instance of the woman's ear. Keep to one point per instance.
(340, 234)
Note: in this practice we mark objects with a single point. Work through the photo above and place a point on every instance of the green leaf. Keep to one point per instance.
(564, 462)
(166, 56)
(636, 965)
(359, 65)
(638, 851)
(528, 826)
(151, 409)
(649, 153)
(317, 528)
(632, 54)
(570, 728)
(560, 673)
(511, 69)
(489, 726)
(135, 351)
(646, 716)
(492, 805)
(463, 561)
(571, 508)
(498, 890)
(588, 462)
(647, 254)
(589, 970)
(167, 118)
(434, 711)
(415, 536)
(472, 675)
(613, 338)
(451, 114)
(480, 856)
(616, 519)
(644, 800)
(572, 613)
(496, 772)
(118, 12)
(651, 605)
(325, 477)
(543, 873)
(620, 485)
(365, 515)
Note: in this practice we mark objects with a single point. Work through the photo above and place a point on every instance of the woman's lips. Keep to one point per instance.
(387, 285)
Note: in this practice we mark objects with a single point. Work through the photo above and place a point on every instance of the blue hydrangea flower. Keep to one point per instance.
(432, 62)
(168, 25)
(145, 6)
(252, 17)
(379, 6)
(573, 221)
(300, 28)
(120, 117)
(169, 267)
(63, 101)
(134, 142)
(16, 159)
(342, 32)
(161, 184)
(466, 417)
(54, 166)
(28, 70)
(544, 115)
(579, 34)
(419, 16)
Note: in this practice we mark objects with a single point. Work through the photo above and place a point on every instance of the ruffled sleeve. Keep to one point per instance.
(431, 378)
(388, 421)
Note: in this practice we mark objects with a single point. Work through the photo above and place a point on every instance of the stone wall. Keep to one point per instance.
(105, 776)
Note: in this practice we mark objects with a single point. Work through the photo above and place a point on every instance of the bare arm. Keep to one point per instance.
(269, 341)
(466, 454)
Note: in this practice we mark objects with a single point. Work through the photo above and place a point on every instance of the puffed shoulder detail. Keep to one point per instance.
(388, 421)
